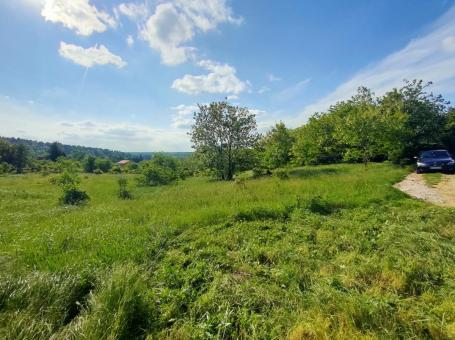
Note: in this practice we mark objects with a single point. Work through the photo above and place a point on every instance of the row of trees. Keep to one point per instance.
(394, 127)
(13, 157)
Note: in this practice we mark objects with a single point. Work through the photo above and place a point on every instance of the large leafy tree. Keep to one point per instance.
(55, 151)
(359, 129)
(276, 146)
(315, 142)
(426, 117)
(21, 156)
(220, 135)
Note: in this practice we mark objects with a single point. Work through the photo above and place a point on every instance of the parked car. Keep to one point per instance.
(435, 160)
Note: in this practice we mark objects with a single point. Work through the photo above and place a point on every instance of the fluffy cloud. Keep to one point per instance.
(183, 117)
(89, 57)
(175, 23)
(134, 11)
(165, 31)
(221, 78)
(78, 15)
(430, 57)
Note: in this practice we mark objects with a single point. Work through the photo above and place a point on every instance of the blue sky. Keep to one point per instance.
(127, 74)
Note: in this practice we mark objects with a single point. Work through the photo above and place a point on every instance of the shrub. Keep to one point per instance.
(259, 171)
(98, 172)
(72, 195)
(116, 169)
(319, 205)
(123, 192)
(6, 168)
(154, 175)
(282, 173)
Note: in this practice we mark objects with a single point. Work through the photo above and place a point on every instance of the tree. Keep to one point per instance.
(104, 164)
(219, 134)
(359, 129)
(55, 151)
(276, 146)
(160, 170)
(20, 157)
(89, 164)
(449, 136)
(315, 142)
(426, 117)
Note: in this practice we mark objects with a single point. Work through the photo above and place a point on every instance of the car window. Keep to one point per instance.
(434, 154)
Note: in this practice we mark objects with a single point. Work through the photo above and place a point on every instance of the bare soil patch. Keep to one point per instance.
(443, 194)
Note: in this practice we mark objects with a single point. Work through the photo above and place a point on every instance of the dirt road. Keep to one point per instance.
(443, 194)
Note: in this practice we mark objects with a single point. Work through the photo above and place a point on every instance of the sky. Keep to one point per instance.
(128, 74)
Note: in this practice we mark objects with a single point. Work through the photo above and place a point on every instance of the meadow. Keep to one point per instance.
(330, 252)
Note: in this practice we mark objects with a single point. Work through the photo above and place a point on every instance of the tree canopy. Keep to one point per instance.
(220, 135)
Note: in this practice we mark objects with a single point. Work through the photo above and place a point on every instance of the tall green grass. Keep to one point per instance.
(330, 252)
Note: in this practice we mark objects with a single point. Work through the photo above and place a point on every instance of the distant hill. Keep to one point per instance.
(40, 150)
(149, 155)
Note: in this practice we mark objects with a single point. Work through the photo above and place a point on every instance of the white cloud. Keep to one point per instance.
(165, 31)
(90, 57)
(78, 15)
(430, 57)
(134, 11)
(263, 89)
(449, 43)
(175, 23)
(221, 78)
(207, 14)
(40, 124)
(272, 78)
(130, 40)
(183, 117)
(293, 91)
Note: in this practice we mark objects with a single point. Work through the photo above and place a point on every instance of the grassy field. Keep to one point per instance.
(331, 252)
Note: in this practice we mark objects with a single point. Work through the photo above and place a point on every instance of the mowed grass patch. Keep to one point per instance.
(432, 178)
(331, 251)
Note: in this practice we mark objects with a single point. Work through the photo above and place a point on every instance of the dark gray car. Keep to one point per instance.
(435, 160)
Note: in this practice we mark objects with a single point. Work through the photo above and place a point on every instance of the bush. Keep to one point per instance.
(154, 175)
(282, 173)
(123, 192)
(160, 170)
(98, 172)
(319, 205)
(72, 195)
(6, 168)
(116, 169)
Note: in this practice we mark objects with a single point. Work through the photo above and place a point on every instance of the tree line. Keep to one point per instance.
(393, 127)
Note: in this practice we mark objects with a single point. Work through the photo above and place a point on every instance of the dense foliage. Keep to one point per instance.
(160, 170)
(13, 157)
(395, 127)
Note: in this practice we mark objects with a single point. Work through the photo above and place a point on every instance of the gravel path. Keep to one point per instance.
(447, 190)
(414, 185)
